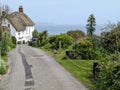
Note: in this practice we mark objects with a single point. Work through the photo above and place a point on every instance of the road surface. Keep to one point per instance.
(33, 69)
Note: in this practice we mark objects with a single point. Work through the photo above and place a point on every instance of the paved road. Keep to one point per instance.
(33, 69)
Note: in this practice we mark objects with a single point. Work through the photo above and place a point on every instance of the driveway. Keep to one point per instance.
(33, 69)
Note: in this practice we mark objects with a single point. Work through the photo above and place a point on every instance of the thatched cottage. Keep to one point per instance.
(20, 24)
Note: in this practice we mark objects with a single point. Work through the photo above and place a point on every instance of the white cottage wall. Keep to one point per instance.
(24, 35)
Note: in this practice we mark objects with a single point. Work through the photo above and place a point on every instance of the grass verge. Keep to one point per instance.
(81, 69)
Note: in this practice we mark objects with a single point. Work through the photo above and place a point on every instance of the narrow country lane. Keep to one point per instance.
(33, 69)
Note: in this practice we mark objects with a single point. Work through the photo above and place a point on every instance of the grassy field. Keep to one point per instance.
(82, 73)
(81, 69)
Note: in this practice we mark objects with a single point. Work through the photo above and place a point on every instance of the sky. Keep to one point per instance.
(68, 11)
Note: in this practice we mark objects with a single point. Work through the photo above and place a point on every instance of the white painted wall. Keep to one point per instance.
(25, 35)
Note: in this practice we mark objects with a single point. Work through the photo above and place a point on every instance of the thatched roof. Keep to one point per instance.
(20, 20)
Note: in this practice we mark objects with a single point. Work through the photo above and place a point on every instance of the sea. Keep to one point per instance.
(55, 29)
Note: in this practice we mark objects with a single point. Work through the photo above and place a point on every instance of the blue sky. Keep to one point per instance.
(68, 11)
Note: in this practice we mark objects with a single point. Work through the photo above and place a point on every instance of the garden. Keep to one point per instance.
(92, 59)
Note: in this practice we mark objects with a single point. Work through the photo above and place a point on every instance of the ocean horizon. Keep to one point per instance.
(54, 29)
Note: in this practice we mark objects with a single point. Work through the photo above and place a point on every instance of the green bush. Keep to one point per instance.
(44, 42)
(88, 49)
(34, 43)
(85, 49)
(5, 44)
(109, 75)
(29, 43)
(47, 46)
(3, 68)
(60, 41)
(13, 46)
(14, 40)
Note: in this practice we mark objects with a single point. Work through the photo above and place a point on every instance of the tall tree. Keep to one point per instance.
(91, 23)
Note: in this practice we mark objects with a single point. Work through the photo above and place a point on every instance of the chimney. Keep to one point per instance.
(21, 9)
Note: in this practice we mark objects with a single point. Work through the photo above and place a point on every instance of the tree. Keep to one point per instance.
(76, 34)
(91, 25)
(41, 37)
(110, 38)
(35, 34)
(45, 34)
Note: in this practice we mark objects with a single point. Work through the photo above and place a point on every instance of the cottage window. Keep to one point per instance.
(20, 37)
(8, 25)
(18, 33)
